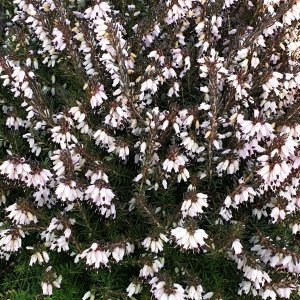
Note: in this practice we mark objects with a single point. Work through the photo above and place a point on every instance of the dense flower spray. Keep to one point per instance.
(135, 135)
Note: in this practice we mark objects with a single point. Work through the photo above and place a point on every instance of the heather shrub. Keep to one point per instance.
(150, 150)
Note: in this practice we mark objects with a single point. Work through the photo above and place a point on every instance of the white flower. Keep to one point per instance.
(245, 287)
(155, 245)
(195, 293)
(287, 149)
(35, 148)
(98, 98)
(10, 240)
(284, 292)
(208, 295)
(123, 152)
(118, 253)
(38, 178)
(52, 280)
(160, 291)
(183, 174)
(189, 240)
(259, 212)
(246, 193)
(104, 139)
(117, 116)
(95, 257)
(258, 277)
(133, 288)
(102, 197)
(168, 73)
(149, 38)
(51, 237)
(88, 295)
(138, 177)
(80, 117)
(62, 136)
(273, 174)
(58, 41)
(150, 270)
(269, 294)
(99, 195)
(14, 122)
(129, 248)
(193, 204)
(177, 11)
(149, 85)
(60, 244)
(277, 213)
(97, 175)
(77, 114)
(47, 288)
(40, 257)
(190, 144)
(230, 166)
(257, 128)
(2, 198)
(225, 213)
(18, 74)
(15, 169)
(43, 197)
(295, 228)
(67, 191)
(20, 216)
(175, 163)
(237, 247)
(59, 167)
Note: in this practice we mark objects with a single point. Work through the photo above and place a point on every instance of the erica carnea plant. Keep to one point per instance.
(156, 141)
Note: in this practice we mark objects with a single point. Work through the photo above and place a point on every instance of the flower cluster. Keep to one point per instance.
(157, 137)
